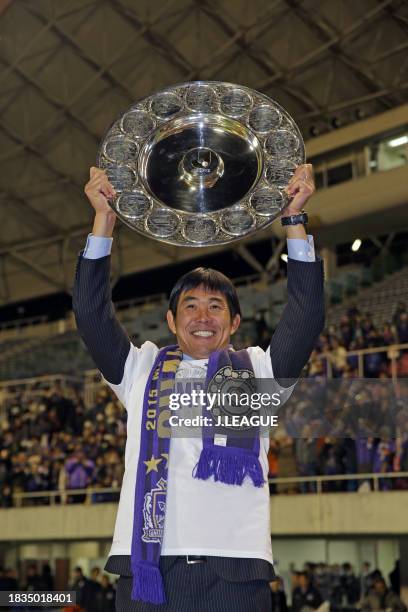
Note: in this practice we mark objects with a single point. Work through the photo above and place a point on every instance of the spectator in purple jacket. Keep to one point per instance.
(80, 473)
(383, 455)
(365, 449)
(402, 328)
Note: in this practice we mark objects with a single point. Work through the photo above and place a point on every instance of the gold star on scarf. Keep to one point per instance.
(166, 456)
(152, 464)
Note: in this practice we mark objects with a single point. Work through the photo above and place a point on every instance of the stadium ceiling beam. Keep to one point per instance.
(25, 145)
(383, 246)
(29, 215)
(4, 5)
(50, 99)
(354, 101)
(245, 35)
(168, 251)
(389, 240)
(68, 39)
(5, 73)
(53, 185)
(78, 95)
(39, 271)
(298, 93)
(309, 59)
(64, 179)
(12, 152)
(376, 242)
(325, 31)
(4, 284)
(399, 19)
(32, 41)
(273, 261)
(389, 53)
(402, 23)
(247, 256)
(159, 43)
(79, 232)
(26, 245)
(59, 117)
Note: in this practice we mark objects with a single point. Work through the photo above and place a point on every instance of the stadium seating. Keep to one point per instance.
(28, 354)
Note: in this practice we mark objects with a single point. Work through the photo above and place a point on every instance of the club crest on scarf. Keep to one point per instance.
(154, 510)
(229, 386)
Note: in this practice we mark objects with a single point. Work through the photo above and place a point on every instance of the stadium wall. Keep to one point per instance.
(370, 513)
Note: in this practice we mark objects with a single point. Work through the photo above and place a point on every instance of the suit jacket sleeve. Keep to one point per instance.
(302, 320)
(103, 335)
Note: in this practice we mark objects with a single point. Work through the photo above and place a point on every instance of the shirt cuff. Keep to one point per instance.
(97, 246)
(302, 250)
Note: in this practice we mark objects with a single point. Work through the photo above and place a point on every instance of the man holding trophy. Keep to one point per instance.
(202, 163)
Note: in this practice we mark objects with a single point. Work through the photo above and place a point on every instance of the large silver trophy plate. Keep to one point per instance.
(202, 163)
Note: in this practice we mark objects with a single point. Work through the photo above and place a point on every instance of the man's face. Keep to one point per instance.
(303, 582)
(379, 587)
(203, 322)
(105, 581)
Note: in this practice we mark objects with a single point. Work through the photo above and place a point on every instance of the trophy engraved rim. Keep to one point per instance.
(202, 163)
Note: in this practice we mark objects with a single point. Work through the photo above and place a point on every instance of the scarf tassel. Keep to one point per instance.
(148, 584)
(228, 467)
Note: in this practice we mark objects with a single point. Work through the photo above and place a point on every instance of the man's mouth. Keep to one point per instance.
(203, 333)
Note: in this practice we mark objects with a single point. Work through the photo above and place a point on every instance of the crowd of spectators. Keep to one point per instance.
(339, 588)
(317, 584)
(93, 594)
(357, 331)
(342, 427)
(50, 441)
(334, 428)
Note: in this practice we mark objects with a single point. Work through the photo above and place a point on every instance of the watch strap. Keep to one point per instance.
(302, 217)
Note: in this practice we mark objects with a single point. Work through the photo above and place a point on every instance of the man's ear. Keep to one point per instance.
(235, 323)
(171, 322)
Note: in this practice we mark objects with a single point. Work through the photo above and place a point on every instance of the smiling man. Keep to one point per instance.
(192, 530)
(203, 313)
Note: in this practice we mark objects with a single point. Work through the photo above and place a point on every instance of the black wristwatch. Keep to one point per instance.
(295, 219)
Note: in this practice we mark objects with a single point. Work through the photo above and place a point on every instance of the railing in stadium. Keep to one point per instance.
(393, 352)
(88, 493)
(19, 323)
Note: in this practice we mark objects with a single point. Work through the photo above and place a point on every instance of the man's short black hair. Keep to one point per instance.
(211, 280)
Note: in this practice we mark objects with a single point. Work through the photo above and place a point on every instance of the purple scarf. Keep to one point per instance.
(229, 464)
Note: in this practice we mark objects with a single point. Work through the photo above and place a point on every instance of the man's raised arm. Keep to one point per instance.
(104, 337)
(303, 317)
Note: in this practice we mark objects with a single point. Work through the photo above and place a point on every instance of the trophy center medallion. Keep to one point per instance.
(201, 167)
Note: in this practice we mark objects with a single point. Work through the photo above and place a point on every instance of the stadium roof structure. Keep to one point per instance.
(68, 69)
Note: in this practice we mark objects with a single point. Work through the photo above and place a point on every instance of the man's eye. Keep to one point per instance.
(215, 307)
(190, 306)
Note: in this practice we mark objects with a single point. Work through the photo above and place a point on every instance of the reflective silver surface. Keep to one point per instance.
(201, 163)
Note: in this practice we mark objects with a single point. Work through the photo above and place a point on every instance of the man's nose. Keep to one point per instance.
(203, 314)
